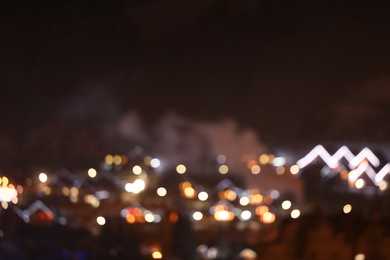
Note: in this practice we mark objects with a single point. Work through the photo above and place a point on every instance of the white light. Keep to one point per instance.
(101, 220)
(244, 201)
(129, 187)
(286, 204)
(294, 169)
(7, 194)
(246, 214)
(155, 163)
(42, 177)
(181, 169)
(295, 213)
(255, 169)
(161, 192)
(279, 161)
(274, 194)
(203, 196)
(137, 170)
(197, 215)
(221, 159)
(359, 184)
(138, 186)
(92, 173)
(157, 218)
(347, 208)
(149, 217)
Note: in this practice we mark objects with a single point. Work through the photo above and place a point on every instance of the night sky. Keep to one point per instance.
(296, 73)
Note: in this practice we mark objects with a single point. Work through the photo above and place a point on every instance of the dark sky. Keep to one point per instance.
(294, 72)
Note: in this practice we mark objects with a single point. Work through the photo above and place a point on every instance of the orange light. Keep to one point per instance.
(260, 210)
(173, 217)
(268, 217)
(130, 218)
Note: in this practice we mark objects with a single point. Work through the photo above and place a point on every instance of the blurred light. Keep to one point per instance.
(92, 173)
(221, 159)
(5, 181)
(268, 217)
(260, 210)
(286, 204)
(4, 204)
(274, 194)
(161, 192)
(230, 195)
(47, 190)
(19, 188)
(181, 169)
(294, 169)
(279, 161)
(185, 185)
(149, 217)
(383, 185)
(14, 200)
(156, 255)
(42, 177)
(203, 196)
(255, 169)
(360, 183)
(280, 170)
(347, 208)
(173, 217)
(244, 201)
(157, 218)
(360, 257)
(197, 215)
(264, 159)
(189, 192)
(223, 169)
(130, 218)
(223, 215)
(155, 163)
(137, 170)
(256, 199)
(124, 159)
(109, 159)
(295, 213)
(65, 191)
(129, 187)
(246, 214)
(138, 185)
(117, 159)
(74, 191)
(101, 220)
(251, 163)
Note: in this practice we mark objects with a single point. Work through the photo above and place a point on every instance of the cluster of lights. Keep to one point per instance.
(115, 159)
(135, 187)
(140, 215)
(8, 192)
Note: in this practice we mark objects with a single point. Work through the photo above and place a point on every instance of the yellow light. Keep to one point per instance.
(268, 217)
(189, 192)
(5, 181)
(65, 191)
(181, 169)
(185, 185)
(156, 255)
(14, 200)
(286, 204)
(117, 159)
(109, 159)
(230, 195)
(4, 204)
(294, 169)
(47, 190)
(223, 169)
(92, 173)
(223, 215)
(137, 170)
(383, 185)
(256, 199)
(264, 159)
(347, 208)
(130, 218)
(260, 210)
(74, 191)
(255, 169)
(360, 257)
(295, 213)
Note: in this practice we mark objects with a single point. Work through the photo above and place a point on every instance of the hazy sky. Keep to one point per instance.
(294, 73)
